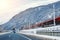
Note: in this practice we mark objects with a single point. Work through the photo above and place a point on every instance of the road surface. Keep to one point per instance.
(18, 36)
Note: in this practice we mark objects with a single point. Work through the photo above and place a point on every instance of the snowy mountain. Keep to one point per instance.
(32, 15)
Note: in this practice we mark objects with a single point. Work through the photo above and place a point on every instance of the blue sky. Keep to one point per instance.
(9, 8)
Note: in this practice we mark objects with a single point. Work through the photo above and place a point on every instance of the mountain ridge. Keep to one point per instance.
(30, 16)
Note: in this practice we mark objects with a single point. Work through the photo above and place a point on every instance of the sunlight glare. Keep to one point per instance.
(3, 4)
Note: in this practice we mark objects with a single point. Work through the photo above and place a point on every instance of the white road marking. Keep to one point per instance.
(4, 33)
(25, 37)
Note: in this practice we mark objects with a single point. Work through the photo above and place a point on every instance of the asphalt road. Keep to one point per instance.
(18, 36)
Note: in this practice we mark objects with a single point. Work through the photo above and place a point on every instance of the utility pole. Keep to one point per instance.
(54, 15)
(54, 22)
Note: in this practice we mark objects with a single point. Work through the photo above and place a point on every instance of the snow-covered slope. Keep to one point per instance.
(33, 15)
